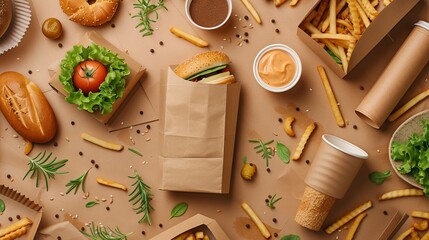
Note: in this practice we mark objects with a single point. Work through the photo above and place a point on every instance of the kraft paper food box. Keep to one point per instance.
(386, 20)
(19, 206)
(196, 223)
(136, 72)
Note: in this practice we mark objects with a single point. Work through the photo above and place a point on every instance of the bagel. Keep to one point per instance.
(5, 15)
(89, 12)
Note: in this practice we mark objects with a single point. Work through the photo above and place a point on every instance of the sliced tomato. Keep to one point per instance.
(89, 75)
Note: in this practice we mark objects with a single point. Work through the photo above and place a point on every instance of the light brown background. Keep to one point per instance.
(258, 118)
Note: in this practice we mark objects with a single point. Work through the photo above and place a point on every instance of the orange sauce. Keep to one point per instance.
(276, 68)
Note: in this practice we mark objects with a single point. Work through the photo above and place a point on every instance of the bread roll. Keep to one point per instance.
(5, 15)
(89, 13)
(26, 108)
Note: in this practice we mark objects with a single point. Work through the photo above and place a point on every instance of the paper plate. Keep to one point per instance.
(404, 131)
(18, 27)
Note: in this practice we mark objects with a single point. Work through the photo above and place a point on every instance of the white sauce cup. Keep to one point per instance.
(188, 14)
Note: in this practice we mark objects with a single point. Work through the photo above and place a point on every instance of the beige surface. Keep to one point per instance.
(258, 118)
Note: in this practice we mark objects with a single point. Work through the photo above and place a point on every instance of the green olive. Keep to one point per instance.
(52, 28)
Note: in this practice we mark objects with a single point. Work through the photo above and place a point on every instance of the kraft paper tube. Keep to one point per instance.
(335, 166)
(401, 72)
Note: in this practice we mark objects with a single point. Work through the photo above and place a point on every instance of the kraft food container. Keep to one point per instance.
(294, 56)
(196, 223)
(386, 20)
(18, 204)
(398, 76)
(335, 165)
(136, 72)
(188, 15)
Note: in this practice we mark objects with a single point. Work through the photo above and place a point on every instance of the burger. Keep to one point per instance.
(208, 67)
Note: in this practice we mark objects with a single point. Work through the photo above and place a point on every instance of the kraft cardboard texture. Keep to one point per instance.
(197, 134)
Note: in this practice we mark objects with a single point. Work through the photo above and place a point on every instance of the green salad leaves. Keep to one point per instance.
(414, 155)
(110, 90)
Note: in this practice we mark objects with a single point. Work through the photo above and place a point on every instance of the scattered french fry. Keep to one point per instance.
(355, 212)
(293, 2)
(252, 11)
(426, 236)
(386, 2)
(419, 214)
(15, 227)
(331, 97)
(15, 234)
(277, 3)
(189, 37)
(287, 126)
(304, 138)
(111, 183)
(402, 193)
(355, 226)
(101, 143)
(262, 228)
(422, 225)
(408, 105)
(28, 147)
(405, 234)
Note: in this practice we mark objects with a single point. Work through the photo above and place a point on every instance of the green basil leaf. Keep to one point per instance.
(283, 152)
(91, 204)
(179, 210)
(379, 177)
(2, 206)
(291, 237)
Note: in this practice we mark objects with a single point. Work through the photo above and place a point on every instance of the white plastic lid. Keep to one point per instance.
(422, 24)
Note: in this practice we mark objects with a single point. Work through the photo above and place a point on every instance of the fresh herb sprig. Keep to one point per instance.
(105, 233)
(41, 165)
(178, 210)
(141, 197)
(135, 152)
(379, 177)
(145, 8)
(261, 147)
(272, 201)
(75, 183)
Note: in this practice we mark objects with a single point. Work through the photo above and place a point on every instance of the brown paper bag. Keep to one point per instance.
(197, 134)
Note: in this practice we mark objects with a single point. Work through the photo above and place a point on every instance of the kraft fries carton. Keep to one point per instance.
(386, 20)
(136, 72)
(19, 206)
(194, 224)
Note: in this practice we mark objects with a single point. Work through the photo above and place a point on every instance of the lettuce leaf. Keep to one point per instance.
(110, 90)
(414, 155)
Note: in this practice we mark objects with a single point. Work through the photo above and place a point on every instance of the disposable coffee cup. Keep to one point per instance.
(335, 165)
(398, 76)
(209, 14)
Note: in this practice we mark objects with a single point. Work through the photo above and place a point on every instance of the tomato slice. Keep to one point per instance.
(89, 75)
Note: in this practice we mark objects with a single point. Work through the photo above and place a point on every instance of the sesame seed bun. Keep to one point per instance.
(201, 62)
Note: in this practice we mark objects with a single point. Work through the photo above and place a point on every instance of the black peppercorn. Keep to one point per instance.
(30, 72)
(152, 50)
(60, 45)
(277, 30)
(247, 225)
(246, 18)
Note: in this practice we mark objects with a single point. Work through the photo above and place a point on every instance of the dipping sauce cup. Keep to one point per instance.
(208, 14)
(277, 68)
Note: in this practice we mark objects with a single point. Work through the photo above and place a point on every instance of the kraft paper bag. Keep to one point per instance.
(197, 126)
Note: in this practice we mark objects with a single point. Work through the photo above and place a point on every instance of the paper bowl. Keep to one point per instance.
(402, 133)
(188, 15)
(294, 56)
(18, 27)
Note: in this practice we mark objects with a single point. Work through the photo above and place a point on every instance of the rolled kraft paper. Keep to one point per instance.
(401, 72)
(313, 209)
(335, 165)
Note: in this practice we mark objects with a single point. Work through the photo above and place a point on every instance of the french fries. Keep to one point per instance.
(101, 143)
(408, 105)
(405, 234)
(419, 214)
(293, 2)
(304, 138)
(277, 3)
(331, 97)
(287, 126)
(111, 183)
(28, 147)
(189, 37)
(355, 212)
(421, 226)
(402, 193)
(188, 235)
(15, 230)
(355, 226)
(252, 11)
(262, 228)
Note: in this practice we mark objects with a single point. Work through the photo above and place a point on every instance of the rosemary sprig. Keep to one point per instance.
(261, 147)
(105, 233)
(75, 183)
(141, 197)
(136, 152)
(272, 201)
(41, 165)
(145, 8)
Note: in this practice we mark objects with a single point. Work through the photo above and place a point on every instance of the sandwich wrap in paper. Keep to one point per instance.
(197, 127)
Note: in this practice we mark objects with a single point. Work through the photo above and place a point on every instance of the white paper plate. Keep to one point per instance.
(404, 131)
(20, 21)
